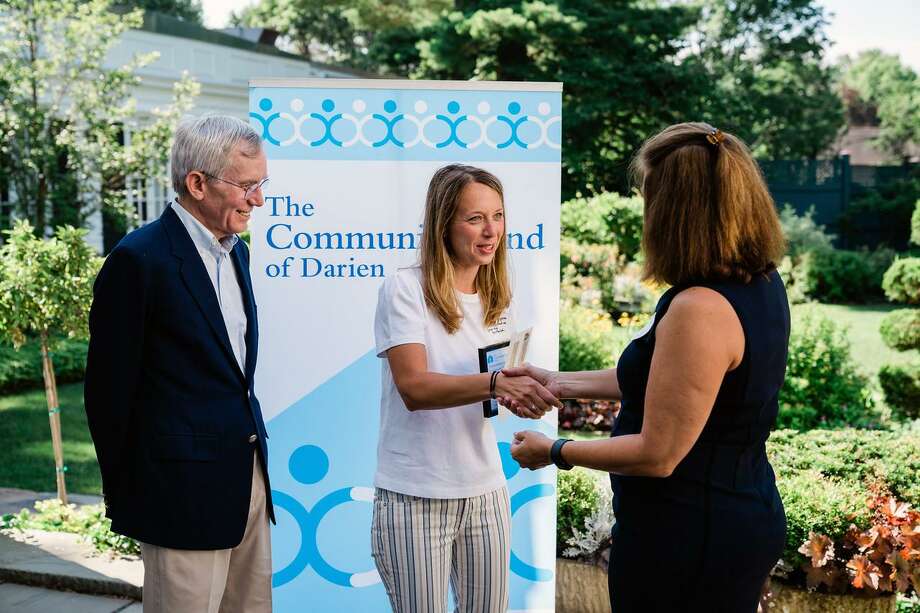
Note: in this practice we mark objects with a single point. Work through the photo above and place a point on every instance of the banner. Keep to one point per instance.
(349, 163)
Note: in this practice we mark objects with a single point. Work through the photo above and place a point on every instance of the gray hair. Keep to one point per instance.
(206, 143)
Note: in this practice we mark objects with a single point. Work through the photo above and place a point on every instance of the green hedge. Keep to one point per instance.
(840, 276)
(22, 369)
(901, 386)
(901, 329)
(605, 219)
(823, 388)
(902, 281)
(824, 477)
(585, 339)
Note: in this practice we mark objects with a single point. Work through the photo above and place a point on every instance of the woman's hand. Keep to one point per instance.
(531, 449)
(524, 396)
(547, 378)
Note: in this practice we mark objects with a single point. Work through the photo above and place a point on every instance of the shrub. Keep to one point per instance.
(803, 236)
(890, 206)
(601, 270)
(836, 275)
(824, 478)
(795, 277)
(902, 281)
(915, 224)
(880, 559)
(817, 504)
(585, 339)
(89, 521)
(590, 542)
(602, 262)
(822, 388)
(901, 329)
(22, 369)
(901, 386)
(605, 219)
(629, 294)
(802, 233)
(576, 500)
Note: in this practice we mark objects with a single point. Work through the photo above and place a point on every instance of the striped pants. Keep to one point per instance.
(417, 543)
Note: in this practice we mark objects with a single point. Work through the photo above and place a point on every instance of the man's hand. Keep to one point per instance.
(531, 449)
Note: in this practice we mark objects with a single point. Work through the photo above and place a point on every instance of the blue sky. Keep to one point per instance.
(892, 25)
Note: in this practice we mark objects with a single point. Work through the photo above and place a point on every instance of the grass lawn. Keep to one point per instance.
(866, 346)
(26, 457)
(583, 435)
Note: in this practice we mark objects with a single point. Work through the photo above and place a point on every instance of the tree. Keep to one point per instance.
(618, 60)
(46, 290)
(63, 115)
(345, 31)
(891, 91)
(187, 10)
(768, 80)
(630, 67)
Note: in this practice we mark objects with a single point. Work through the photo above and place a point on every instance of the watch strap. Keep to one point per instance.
(555, 454)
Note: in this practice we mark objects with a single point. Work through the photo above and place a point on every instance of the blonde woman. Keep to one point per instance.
(441, 509)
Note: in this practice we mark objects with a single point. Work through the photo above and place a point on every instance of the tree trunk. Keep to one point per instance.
(54, 415)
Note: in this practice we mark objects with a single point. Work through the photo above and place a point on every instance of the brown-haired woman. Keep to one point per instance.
(700, 523)
(441, 508)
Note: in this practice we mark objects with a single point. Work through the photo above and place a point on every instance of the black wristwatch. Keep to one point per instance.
(555, 454)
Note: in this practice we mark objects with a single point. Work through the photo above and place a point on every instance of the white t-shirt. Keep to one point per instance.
(441, 453)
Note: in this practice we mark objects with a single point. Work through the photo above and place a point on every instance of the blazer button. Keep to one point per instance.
(253, 438)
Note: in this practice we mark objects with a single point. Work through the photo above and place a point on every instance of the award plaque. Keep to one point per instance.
(492, 358)
(502, 355)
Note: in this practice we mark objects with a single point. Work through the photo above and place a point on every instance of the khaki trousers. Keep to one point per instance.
(215, 581)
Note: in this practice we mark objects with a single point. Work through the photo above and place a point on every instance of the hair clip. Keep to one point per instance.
(715, 137)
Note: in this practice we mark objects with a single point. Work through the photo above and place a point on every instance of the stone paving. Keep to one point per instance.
(29, 599)
(58, 571)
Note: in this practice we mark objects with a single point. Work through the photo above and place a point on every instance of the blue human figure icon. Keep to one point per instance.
(390, 123)
(309, 464)
(514, 125)
(265, 105)
(328, 122)
(453, 107)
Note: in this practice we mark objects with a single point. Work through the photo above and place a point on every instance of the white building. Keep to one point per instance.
(222, 63)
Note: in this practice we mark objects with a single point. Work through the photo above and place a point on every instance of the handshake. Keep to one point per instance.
(528, 391)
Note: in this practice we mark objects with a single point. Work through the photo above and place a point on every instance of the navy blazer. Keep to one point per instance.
(170, 412)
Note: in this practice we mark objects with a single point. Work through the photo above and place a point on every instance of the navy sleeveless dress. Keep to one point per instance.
(706, 537)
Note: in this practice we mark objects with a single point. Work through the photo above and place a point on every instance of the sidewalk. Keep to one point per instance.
(13, 500)
(53, 561)
(27, 599)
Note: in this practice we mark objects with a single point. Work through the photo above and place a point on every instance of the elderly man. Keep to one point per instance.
(169, 383)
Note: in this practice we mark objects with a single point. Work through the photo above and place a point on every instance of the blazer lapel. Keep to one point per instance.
(197, 281)
(241, 265)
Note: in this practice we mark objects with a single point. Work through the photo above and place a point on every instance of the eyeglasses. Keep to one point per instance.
(248, 190)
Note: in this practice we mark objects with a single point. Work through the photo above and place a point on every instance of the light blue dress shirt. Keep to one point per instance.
(216, 257)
